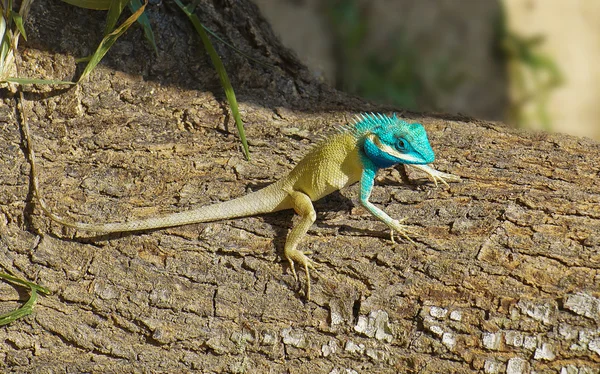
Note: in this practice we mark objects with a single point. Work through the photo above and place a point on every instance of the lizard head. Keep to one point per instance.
(391, 141)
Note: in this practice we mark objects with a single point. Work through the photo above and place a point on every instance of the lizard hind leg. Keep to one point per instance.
(303, 206)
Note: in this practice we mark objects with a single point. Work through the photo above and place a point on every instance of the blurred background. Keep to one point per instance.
(530, 63)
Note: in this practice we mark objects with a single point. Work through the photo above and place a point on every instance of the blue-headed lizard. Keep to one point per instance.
(353, 154)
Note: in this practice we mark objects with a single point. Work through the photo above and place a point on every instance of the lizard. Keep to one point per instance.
(353, 154)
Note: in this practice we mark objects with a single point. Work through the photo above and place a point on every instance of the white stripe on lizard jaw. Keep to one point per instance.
(391, 151)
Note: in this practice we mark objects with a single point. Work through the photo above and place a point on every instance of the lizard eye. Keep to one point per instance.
(401, 145)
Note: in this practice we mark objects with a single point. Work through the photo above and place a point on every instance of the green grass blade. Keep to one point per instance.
(4, 43)
(214, 35)
(19, 23)
(114, 11)
(109, 40)
(35, 81)
(82, 59)
(24, 8)
(25, 283)
(218, 64)
(90, 4)
(134, 5)
(27, 308)
(2, 26)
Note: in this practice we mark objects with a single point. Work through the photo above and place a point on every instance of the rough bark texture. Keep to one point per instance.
(502, 277)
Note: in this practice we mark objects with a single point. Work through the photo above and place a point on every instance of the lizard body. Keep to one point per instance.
(353, 154)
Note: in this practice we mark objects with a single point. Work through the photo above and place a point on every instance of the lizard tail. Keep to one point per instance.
(269, 199)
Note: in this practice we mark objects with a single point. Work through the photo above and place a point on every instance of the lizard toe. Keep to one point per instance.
(296, 256)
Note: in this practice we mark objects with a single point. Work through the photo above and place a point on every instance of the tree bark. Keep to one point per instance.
(503, 274)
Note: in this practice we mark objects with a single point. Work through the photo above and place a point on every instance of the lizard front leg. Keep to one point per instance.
(366, 186)
(303, 206)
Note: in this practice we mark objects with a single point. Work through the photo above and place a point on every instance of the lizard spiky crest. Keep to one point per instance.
(369, 122)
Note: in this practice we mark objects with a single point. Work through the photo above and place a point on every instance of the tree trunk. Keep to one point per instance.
(502, 275)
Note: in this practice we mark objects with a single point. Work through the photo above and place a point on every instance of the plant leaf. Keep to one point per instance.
(109, 40)
(218, 64)
(214, 35)
(114, 11)
(90, 4)
(134, 5)
(27, 308)
(19, 23)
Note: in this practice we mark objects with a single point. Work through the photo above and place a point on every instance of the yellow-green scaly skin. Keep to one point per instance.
(331, 165)
(328, 167)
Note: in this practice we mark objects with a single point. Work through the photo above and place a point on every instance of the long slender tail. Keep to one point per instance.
(270, 199)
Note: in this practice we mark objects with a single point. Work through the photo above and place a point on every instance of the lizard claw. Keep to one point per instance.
(437, 175)
(403, 230)
(293, 256)
(404, 234)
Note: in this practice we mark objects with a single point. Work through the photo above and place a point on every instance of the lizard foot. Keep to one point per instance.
(403, 230)
(295, 256)
(437, 175)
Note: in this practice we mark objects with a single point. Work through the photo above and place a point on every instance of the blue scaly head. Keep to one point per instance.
(385, 141)
(389, 141)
